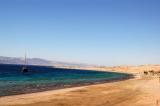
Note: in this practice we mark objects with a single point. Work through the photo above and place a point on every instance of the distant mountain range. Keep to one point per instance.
(37, 61)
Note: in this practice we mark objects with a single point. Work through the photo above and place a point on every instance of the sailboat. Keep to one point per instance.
(24, 68)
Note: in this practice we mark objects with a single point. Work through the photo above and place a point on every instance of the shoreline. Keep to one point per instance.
(35, 97)
(81, 84)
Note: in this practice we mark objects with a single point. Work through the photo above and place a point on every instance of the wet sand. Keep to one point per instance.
(144, 91)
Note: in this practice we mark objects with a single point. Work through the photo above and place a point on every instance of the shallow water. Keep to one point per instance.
(39, 78)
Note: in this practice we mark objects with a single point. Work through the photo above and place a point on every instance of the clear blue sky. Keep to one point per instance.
(103, 32)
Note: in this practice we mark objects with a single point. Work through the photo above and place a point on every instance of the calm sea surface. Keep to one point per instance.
(40, 78)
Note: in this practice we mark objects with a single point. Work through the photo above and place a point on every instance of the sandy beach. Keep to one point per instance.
(79, 52)
(139, 91)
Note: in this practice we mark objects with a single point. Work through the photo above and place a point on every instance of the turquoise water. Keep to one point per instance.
(40, 78)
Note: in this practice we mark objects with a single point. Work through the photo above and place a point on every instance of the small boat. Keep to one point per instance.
(24, 68)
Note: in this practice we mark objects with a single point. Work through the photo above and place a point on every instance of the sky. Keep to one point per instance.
(101, 32)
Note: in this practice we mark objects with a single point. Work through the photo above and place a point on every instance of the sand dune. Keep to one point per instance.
(126, 69)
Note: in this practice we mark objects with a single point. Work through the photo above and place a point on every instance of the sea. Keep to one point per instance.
(41, 78)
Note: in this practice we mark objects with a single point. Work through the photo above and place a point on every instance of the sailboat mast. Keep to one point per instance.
(25, 59)
(24, 68)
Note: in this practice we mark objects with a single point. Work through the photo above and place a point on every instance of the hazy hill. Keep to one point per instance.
(36, 61)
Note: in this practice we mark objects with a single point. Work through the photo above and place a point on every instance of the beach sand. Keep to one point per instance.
(141, 91)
